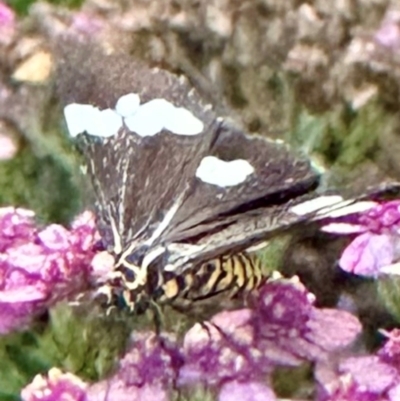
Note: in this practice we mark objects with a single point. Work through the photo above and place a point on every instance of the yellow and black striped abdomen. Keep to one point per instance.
(230, 274)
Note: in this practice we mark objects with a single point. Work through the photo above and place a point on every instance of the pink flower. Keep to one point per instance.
(376, 249)
(8, 146)
(390, 352)
(56, 386)
(86, 24)
(39, 267)
(388, 34)
(16, 226)
(7, 24)
(363, 378)
(234, 353)
(283, 328)
(368, 253)
(147, 372)
(248, 391)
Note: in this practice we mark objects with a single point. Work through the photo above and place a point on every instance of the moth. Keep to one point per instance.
(176, 185)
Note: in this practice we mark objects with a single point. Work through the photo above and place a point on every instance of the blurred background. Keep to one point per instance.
(323, 76)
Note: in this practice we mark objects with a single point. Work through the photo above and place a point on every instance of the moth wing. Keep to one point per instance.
(138, 179)
(259, 225)
(279, 175)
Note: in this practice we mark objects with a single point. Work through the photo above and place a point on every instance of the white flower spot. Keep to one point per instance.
(128, 105)
(222, 173)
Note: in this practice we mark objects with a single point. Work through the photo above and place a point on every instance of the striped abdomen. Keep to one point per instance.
(230, 274)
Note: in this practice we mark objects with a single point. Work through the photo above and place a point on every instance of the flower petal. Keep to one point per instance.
(246, 391)
(367, 254)
(55, 386)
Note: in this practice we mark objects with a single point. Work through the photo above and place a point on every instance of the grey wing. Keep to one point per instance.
(216, 220)
(139, 181)
(259, 225)
(279, 175)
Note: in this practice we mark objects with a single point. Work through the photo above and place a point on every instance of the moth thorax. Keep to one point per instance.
(126, 289)
(135, 277)
(131, 266)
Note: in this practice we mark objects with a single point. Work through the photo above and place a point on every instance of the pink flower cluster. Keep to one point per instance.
(363, 378)
(55, 386)
(39, 267)
(388, 34)
(152, 362)
(375, 250)
(233, 353)
(7, 24)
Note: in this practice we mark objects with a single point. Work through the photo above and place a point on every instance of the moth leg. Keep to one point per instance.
(158, 316)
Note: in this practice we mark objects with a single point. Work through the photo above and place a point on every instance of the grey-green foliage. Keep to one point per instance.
(20, 359)
(39, 183)
(84, 341)
(345, 137)
(389, 294)
(86, 344)
(22, 6)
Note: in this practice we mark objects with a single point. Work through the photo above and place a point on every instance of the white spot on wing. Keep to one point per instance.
(332, 206)
(315, 204)
(127, 105)
(149, 118)
(146, 120)
(107, 124)
(182, 122)
(343, 228)
(344, 210)
(86, 118)
(76, 116)
(222, 173)
(158, 114)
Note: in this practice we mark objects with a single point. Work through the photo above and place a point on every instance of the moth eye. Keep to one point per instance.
(210, 267)
(128, 274)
